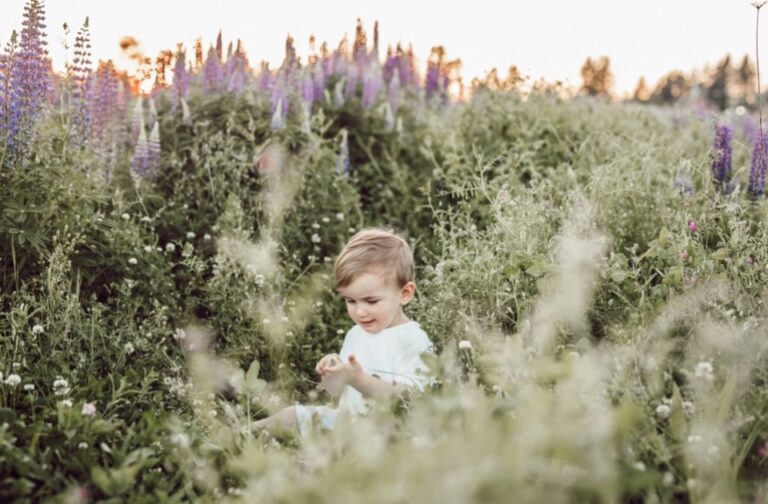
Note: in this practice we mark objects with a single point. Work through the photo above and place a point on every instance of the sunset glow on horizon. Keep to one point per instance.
(549, 40)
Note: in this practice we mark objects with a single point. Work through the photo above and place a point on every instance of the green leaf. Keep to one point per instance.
(721, 254)
(677, 425)
(101, 480)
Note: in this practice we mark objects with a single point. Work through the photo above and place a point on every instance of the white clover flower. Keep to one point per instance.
(319, 304)
(180, 335)
(37, 329)
(82, 445)
(639, 466)
(129, 348)
(705, 371)
(339, 216)
(340, 331)
(60, 386)
(325, 220)
(170, 247)
(29, 387)
(13, 380)
(148, 248)
(190, 235)
(315, 226)
(89, 409)
(133, 261)
(207, 237)
(663, 411)
(351, 230)
(465, 345)
(66, 403)
(125, 216)
(326, 259)
(316, 238)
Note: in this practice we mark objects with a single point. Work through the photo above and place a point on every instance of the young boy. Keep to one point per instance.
(381, 354)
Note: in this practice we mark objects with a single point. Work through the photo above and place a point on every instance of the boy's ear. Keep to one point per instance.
(407, 292)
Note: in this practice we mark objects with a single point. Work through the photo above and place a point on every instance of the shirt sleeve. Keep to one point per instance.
(409, 367)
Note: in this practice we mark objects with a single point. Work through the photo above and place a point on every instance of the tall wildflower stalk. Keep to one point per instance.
(757, 170)
(80, 70)
(30, 81)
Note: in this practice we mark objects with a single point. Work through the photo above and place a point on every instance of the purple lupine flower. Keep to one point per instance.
(30, 81)
(213, 74)
(372, 84)
(721, 162)
(7, 59)
(140, 160)
(318, 79)
(237, 69)
(350, 87)
(137, 119)
(80, 71)
(106, 112)
(757, 169)
(153, 151)
(181, 76)
(342, 164)
(390, 65)
(307, 87)
(432, 83)
(264, 82)
(393, 92)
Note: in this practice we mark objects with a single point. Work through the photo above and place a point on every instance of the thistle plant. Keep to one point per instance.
(30, 82)
(722, 162)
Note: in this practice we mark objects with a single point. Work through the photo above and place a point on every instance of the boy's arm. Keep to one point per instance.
(355, 376)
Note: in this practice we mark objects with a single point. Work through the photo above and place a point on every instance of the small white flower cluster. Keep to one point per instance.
(465, 345)
(705, 371)
(129, 348)
(180, 335)
(176, 386)
(133, 261)
(170, 247)
(37, 330)
(60, 387)
(663, 411)
(66, 403)
(259, 279)
(29, 387)
(316, 238)
(191, 235)
(13, 379)
(126, 216)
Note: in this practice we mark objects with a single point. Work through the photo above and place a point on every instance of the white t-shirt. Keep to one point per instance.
(393, 354)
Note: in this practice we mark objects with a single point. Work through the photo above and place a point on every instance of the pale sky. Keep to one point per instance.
(549, 39)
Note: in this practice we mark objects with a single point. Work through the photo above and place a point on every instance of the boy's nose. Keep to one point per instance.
(361, 311)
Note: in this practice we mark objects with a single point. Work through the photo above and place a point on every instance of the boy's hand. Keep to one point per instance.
(347, 373)
(326, 362)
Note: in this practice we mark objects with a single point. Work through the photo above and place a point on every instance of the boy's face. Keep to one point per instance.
(375, 302)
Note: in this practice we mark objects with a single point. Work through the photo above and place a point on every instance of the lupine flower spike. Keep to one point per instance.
(721, 163)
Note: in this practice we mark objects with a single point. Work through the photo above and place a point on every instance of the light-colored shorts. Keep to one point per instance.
(315, 417)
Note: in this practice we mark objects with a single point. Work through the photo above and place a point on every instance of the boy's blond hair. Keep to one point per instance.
(374, 251)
